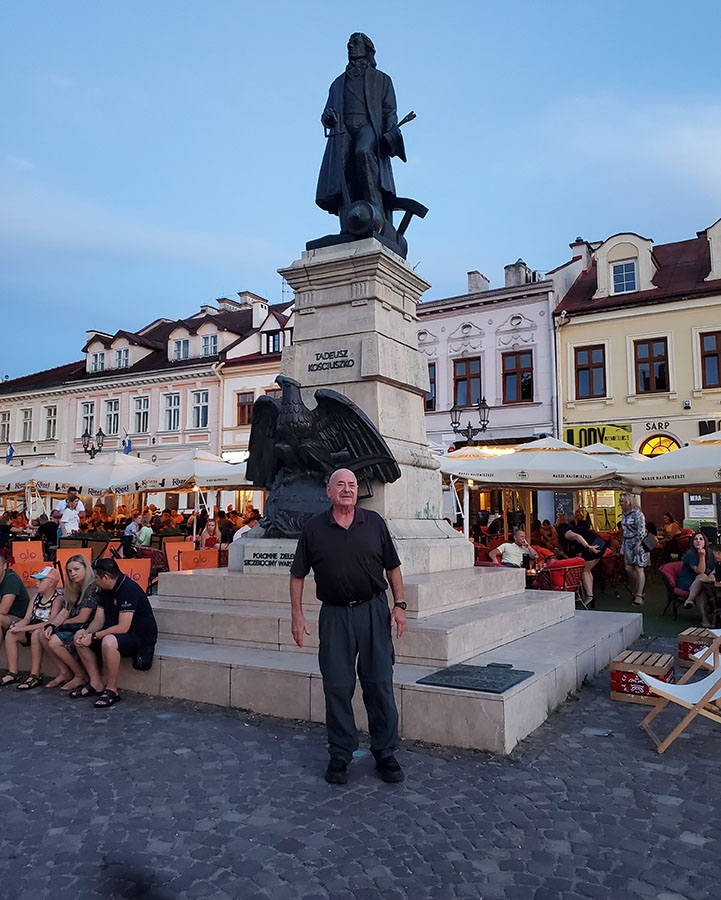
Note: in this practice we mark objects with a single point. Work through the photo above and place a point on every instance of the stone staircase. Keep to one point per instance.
(225, 639)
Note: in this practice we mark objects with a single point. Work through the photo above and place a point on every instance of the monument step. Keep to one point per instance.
(438, 640)
(285, 684)
(425, 594)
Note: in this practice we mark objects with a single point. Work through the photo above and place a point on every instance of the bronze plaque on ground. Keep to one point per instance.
(494, 678)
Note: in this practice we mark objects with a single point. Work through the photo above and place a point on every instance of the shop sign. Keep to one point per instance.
(701, 506)
(618, 436)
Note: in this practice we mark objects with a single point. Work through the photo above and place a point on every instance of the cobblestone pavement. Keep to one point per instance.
(166, 799)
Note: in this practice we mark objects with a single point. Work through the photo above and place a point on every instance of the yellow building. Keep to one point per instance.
(638, 343)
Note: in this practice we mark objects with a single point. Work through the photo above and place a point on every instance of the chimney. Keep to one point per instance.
(517, 273)
(579, 247)
(258, 305)
(477, 282)
(225, 304)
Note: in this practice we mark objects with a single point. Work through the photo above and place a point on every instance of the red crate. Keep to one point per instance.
(626, 685)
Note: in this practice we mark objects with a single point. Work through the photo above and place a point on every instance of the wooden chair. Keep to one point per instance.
(702, 698)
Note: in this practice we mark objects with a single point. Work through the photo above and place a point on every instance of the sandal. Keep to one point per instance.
(638, 600)
(32, 681)
(8, 678)
(57, 682)
(107, 699)
(85, 690)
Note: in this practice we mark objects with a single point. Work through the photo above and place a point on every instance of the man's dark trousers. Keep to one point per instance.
(362, 631)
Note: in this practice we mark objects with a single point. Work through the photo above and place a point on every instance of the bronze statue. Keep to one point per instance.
(363, 135)
(293, 449)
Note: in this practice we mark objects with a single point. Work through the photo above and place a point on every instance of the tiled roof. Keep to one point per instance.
(682, 267)
(45, 379)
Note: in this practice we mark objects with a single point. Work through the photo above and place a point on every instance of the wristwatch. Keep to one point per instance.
(401, 605)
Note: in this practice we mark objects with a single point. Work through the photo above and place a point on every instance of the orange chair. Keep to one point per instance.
(137, 569)
(64, 553)
(198, 559)
(28, 556)
(561, 575)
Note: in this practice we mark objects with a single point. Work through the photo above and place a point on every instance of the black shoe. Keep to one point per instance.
(337, 771)
(390, 770)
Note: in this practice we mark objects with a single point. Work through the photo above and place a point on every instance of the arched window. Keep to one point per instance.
(658, 444)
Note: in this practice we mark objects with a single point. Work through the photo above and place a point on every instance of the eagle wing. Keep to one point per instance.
(262, 465)
(344, 427)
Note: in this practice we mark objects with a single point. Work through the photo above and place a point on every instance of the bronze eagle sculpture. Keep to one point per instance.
(311, 443)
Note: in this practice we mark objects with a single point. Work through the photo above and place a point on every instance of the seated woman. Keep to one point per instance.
(209, 537)
(578, 540)
(668, 536)
(549, 534)
(79, 604)
(45, 606)
(697, 577)
(537, 537)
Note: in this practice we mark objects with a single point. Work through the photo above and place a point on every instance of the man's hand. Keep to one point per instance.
(329, 117)
(83, 638)
(299, 628)
(398, 617)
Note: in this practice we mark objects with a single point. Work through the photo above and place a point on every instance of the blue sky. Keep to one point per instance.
(155, 156)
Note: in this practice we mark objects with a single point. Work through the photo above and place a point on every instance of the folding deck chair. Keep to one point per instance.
(702, 698)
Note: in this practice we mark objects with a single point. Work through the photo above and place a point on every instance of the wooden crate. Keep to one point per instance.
(692, 640)
(625, 682)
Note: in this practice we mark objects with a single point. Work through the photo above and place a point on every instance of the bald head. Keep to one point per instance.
(342, 489)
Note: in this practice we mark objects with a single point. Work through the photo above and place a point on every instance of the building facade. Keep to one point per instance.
(493, 343)
(638, 331)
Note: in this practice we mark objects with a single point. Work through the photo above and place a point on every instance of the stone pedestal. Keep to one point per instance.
(355, 331)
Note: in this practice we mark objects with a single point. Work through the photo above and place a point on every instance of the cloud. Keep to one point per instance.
(35, 217)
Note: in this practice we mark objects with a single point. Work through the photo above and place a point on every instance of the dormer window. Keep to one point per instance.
(273, 342)
(210, 344)
(181, 349)
(624, 276)
(97, 362)
(122, 358)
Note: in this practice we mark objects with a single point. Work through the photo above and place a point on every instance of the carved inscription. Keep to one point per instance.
(331, 359)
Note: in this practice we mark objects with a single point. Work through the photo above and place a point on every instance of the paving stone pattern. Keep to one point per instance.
(166, 799)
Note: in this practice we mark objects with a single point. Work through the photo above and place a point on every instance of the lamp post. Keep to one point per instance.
(92, 448)
(469, 432)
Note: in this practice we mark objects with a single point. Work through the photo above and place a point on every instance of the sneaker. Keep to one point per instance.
(337, 771)
(390, 770)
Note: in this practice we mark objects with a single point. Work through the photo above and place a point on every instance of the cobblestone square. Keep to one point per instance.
(167, 799)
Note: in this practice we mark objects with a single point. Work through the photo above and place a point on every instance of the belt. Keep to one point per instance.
(360, 602)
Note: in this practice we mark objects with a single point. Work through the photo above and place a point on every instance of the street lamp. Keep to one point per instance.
(90, 447)
(469, 432)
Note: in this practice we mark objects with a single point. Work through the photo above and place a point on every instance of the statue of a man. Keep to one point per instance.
(363, 134)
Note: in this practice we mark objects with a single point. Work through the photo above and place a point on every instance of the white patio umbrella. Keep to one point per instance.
(199, 466)
(696, 467)
(116, 473)
(48, 474)
(546, 464)
(626, 464)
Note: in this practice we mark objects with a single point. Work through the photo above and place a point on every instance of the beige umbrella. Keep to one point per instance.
(696, 467)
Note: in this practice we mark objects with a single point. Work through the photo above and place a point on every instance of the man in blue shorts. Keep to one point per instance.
(123, 625)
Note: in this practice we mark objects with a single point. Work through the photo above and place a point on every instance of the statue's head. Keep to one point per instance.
(360, 46)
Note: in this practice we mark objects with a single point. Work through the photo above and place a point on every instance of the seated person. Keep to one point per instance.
(13, 597)
(549, 534)
(511, 554)
(250, 523)
(697, 577)
(497, 526)
(29, 630)
(130, 535)
(145, 533)
(209, 537)
(49, 529)
(123, 625)
(225, 529)
(538, 538)
(79, 604)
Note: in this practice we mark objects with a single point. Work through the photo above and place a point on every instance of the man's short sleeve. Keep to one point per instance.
(391, 560)
(301, 565)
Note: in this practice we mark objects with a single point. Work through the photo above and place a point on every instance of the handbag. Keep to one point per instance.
(649, 543)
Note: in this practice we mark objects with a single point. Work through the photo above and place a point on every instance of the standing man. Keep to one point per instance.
(348, 550)
(71, 495)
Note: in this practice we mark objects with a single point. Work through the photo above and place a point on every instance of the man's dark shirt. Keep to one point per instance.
(49, 530)
(226, 532)
(127, 596)
(348, 565)
(12, 584)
